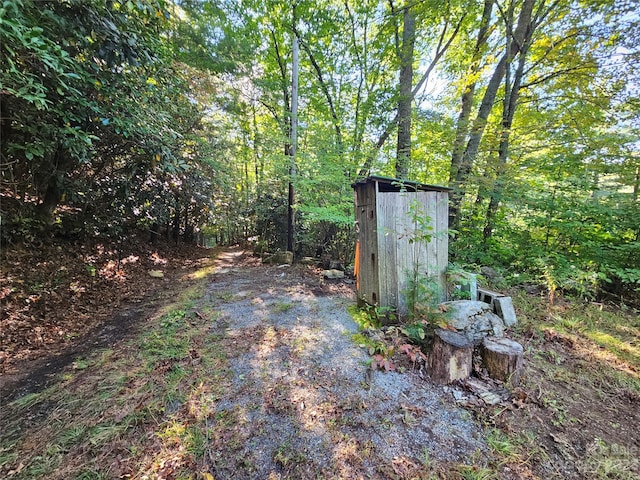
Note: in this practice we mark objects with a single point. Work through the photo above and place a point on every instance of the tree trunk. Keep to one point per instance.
(154, 233)
(291, 213)
(525, 27)
(403, 151)
(327, 94)
(503, 359)
(463, 171)
(52, 189)
(440, 51)
(468, 93)
(510, 103)
(176, 223)
(451, 357)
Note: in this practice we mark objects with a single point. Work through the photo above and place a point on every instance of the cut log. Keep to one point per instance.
(503, 359)
(451, 357)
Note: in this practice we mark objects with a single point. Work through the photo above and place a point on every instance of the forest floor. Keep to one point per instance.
(227, 368)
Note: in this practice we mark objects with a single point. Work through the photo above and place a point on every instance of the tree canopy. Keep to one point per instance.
(174, 116)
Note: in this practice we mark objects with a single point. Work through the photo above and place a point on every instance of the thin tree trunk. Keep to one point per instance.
(468, 93)
(512, 93)
(403, 151)
(325, 90)
(176, 222)
(291, 215)
(440, 51)
(524, 27)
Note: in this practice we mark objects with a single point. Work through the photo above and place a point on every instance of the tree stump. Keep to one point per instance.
(503, 359)
(451, 357)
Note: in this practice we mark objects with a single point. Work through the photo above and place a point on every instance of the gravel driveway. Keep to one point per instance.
(301, 400)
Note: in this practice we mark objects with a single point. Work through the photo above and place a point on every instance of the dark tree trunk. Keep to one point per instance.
(515, 42)
(52, 189)
(154, 233)
(176, 223)
(403, 150)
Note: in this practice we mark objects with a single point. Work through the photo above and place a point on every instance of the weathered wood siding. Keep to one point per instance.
(404, 253)
(442, 238)
(391, 249)
(366, 218)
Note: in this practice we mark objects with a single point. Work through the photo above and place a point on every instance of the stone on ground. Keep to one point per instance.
(333, 274)
(504, 308)
(474, 319)
(279, 258)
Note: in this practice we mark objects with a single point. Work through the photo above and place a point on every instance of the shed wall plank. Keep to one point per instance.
(387, 247)
(442, 237)
(390, 247)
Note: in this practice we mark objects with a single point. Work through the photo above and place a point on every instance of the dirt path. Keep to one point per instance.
(237, 370)
(302, 401)
(250, 372)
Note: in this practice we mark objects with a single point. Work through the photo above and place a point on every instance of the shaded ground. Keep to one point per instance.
(251, 373)
(233, 369)
(60, 301)
(302, 399)
(578, 413)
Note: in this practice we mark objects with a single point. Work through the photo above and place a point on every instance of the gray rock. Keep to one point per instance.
(491, 274)
(333, 274)
(279, 258)
(335, 265)
(462, 309)
(308, 261)
(474, 319)
(458, 395)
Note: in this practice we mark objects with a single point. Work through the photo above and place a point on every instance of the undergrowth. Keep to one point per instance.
(160, 388)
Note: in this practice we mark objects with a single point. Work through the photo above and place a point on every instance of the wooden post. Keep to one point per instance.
(451, 357)
(503, 359)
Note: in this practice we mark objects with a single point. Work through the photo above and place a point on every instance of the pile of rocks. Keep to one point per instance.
(474, 324)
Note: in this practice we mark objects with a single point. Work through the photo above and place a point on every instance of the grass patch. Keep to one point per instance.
(288, 457)
(590, 350)
(28, 400)
(612, 337)
(281, 307)
(226, 296)
(474, 472)
(93, 475)
(605, 461)
(162, 385)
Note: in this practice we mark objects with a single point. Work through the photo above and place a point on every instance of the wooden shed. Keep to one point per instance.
(393, 220)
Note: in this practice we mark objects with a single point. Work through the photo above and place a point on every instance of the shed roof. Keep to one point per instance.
(388, 184)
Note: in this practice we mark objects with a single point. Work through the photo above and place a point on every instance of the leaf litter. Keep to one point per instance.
(255, 376)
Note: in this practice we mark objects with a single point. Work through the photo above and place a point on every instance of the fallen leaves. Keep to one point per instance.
(59, 292)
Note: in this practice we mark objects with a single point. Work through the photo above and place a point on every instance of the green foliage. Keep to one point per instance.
(366, 318)
(95, 116)
(120, 115)
(423, 295)
(416, 331)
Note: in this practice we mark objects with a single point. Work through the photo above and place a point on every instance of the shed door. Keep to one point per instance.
(405, 219)
(367, 254)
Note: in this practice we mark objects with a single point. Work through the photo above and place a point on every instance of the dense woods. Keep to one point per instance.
(175, 118)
